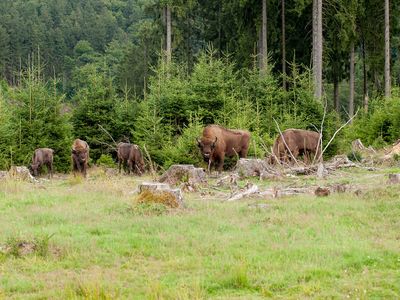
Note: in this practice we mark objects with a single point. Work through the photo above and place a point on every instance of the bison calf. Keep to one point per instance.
(80, 157)
(42, 156)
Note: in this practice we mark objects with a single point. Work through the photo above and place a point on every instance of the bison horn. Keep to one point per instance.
(198, 141)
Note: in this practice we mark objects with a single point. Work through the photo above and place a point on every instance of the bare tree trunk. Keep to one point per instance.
(168, 45)
(317, 48)
(351, 96)
(387, 51)
(365, 84)
(283, 46)
(264, 49)
(336, 99)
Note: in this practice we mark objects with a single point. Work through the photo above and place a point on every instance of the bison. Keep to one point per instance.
(80, 157)
(42, 156)
(218, 142)
(130, 156)
(295, 142)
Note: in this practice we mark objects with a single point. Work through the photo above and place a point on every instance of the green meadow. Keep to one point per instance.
(90, 240)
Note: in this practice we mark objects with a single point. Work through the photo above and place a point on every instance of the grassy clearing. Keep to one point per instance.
(102, 247)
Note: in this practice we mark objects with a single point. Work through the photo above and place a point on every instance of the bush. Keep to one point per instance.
(106, 160)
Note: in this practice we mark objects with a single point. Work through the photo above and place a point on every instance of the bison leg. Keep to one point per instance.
(119, 165)
(50, 169)
(220, 161)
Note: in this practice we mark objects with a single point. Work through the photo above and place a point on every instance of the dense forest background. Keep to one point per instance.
(100, 70)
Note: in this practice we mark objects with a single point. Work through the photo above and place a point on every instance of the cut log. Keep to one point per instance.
(21, 173)
(188, 174)
(156, 192)
(250, 167)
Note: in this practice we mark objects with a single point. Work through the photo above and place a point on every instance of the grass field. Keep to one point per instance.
(92, 242)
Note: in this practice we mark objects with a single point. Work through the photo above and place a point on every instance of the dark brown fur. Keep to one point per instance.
(42, 156)
(218, 142)
(299, 142)
(130, 156)
(135, 161)
(80, 157)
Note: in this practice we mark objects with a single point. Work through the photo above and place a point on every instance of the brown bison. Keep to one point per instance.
(130, 156)
(299, 142)
(218, 142)
(80, 157)
(42, 156)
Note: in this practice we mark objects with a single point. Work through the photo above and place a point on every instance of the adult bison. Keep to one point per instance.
(130, 156)
(218, 142)
(41, 157)
(80, 157)
(295, 142)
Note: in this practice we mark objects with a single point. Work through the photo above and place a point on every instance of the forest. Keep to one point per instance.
(156, 72)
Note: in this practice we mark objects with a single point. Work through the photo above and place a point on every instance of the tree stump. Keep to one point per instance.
(188, 174)
(394, 179)
(3, 174)
(20, 173)
(156, 192)
(322, 192)
(249, 167)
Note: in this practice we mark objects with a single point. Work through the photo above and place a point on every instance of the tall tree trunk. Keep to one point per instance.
(351, 96)
(317, 48)
(336, 99)
(283, 46)
(387, 51)
(264, 49)
(365, 84)
(168, 45)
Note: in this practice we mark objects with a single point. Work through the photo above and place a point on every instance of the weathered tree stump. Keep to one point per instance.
(188, 174)
(3, 174)
(394, 179)
(20, 173)
(156, 192)
(322, 192)
(249, 167)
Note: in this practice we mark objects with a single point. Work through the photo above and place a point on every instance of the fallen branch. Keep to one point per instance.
(336, 132)
(290, 152)
(251, 190)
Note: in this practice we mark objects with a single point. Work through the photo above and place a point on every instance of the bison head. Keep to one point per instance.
(207, 147)
(80, 155)
(33, 168)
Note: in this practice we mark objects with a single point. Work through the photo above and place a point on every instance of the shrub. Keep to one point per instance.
(106, 160)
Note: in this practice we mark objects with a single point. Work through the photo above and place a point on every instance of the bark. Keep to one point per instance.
(264, 49)
(365, 85)
(351, 96)
(283, 46)
(336, 94)
(317, 48)
(168, 45)
(387, 51)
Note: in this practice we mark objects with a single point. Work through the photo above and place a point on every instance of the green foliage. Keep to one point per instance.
(380, 126)
(33, 118)
(106, 160)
